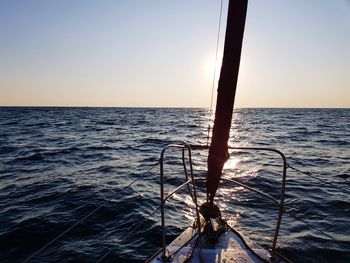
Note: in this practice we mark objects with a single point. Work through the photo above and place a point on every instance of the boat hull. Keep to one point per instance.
(231, 247)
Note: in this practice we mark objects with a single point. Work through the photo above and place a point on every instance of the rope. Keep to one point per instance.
(63, 233)
(132, 229)
(216, 58)
(214, 73)
(36, 253)
(298, 218)
(319, 179)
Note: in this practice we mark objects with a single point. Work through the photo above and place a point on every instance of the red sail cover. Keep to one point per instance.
(218, 151)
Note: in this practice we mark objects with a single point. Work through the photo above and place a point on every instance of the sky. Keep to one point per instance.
(157, 53)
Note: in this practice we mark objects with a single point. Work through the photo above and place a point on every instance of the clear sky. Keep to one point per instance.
(157, 53)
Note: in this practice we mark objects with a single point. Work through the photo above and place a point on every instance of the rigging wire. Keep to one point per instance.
(214, 73)
(319, 179)
(298, 218)
(130, 230)
(216, 58)
(36, 253)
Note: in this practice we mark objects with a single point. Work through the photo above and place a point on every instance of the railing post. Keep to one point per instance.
(194, 188)
(161, 160)
(281, 205)
(165, 258)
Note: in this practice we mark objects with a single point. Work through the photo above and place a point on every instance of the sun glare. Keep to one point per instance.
(213, 66)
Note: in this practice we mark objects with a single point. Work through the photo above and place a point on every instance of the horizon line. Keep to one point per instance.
(163, 107)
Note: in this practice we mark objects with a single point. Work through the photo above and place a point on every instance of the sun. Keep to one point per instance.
(213, 66)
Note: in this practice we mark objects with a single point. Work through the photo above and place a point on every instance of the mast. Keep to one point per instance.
(218, 151)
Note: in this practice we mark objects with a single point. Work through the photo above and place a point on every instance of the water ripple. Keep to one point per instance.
(59, 164)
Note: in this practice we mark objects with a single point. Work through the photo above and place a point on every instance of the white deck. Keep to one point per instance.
(229, 248)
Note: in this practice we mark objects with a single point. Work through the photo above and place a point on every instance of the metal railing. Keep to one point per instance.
(280, 202)
(191, 181)
(183, 148)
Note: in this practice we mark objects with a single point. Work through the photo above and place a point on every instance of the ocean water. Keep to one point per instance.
(58, 165)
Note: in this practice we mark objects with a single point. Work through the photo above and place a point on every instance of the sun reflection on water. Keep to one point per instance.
(230, 197)
(188, 210)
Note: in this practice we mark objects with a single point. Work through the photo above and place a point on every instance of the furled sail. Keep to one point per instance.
(218, 151)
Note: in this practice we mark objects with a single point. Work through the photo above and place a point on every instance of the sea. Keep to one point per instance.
(82, 184)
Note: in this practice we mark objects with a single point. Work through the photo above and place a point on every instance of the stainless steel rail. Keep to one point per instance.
(283, 186)
(191, 181)
(183, 148)
(280, 204)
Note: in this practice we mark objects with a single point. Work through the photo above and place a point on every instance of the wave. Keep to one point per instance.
(60, 164)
